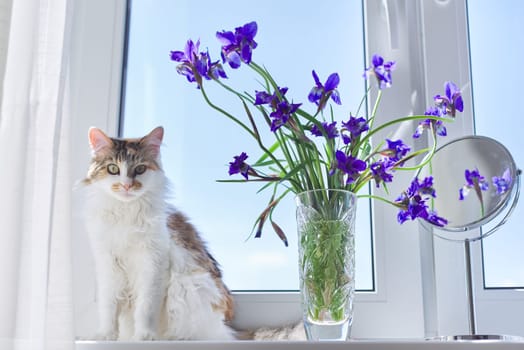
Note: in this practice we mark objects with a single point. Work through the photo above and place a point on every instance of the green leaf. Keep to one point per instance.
(271, 149)
(263, 164)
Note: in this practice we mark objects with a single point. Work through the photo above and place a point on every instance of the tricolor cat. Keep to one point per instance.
(155, 277)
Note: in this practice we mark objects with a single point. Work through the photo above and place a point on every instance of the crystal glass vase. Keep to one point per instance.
(326, 228)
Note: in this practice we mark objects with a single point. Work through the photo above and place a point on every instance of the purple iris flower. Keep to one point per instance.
(396, 150)
(238, 165)
(355, 126)
(282, 109)
(473, 181)
(434, 111)
(380, 169)
(319, 94)
(238, 46)
(412, 203)
(436, 220)
(190, 58)
(349, 165)
(215, 70)
(282, 113)
(381, 70)
(413, 207)
(436, 125)
(194, 64)
(426, 187)
(502, 183)
(452, 102)
(330, 130)
(262, 97)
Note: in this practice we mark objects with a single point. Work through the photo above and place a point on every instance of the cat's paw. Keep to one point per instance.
(143, 335)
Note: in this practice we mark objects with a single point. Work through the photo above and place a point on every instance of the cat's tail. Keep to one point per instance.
(290, 332)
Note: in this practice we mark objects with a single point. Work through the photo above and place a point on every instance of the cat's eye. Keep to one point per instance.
(113, 169)
(140, 169)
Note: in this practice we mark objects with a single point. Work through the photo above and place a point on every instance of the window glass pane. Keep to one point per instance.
(293, 38)
(497, 47)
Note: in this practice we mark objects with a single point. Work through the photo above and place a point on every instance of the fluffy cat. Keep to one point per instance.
(155, 277)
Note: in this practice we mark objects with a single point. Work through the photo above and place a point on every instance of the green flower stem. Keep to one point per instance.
(268, 211)
(482, 209)
(326, 243)
(309, 175)
(363, 180)
(397, 121)
(264, 74)
(324, 253)
(364, 98)
(231, 90)
(230, 116)
(291, 157)
(308, 154)
(375, 108)
(304, 157)
(309, 118)
(310, 159)
(259, 140)
(378, 198)
(253, 132)
(427, 158)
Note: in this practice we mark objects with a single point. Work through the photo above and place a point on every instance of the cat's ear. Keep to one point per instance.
(99, 142)
(153, 140)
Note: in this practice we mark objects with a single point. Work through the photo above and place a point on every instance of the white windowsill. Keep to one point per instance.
(402, 344)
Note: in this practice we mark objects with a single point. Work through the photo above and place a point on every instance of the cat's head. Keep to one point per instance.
(125, 168)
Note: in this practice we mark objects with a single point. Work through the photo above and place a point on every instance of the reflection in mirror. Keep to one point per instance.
(475, 181)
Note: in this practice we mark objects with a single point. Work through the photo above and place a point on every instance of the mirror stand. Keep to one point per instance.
(472, 316)
(468, 155)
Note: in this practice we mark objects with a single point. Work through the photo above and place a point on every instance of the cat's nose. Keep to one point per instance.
(127, 186)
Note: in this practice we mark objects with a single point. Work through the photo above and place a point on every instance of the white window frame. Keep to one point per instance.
(415, 293)
(498, 311)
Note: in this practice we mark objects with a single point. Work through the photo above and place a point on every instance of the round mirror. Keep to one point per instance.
(475, 178)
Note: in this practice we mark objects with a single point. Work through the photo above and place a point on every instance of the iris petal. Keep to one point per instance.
(246, 53)
(451, 90)
(315, 94)
(459, 104)
(177, 56)
(317, 80)
(226, 38)
(377, 60)
(332, 82)
(233, 58)
(336, 97)
(250, 29)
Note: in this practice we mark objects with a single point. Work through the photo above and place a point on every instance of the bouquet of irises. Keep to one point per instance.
(312, 150)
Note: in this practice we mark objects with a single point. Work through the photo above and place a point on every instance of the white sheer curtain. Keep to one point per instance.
(36, 310)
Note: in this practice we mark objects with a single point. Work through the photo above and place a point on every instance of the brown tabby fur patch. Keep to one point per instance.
(184, 234)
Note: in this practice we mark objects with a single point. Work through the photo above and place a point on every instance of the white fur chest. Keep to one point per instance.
(130, 244)
(119, 228)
